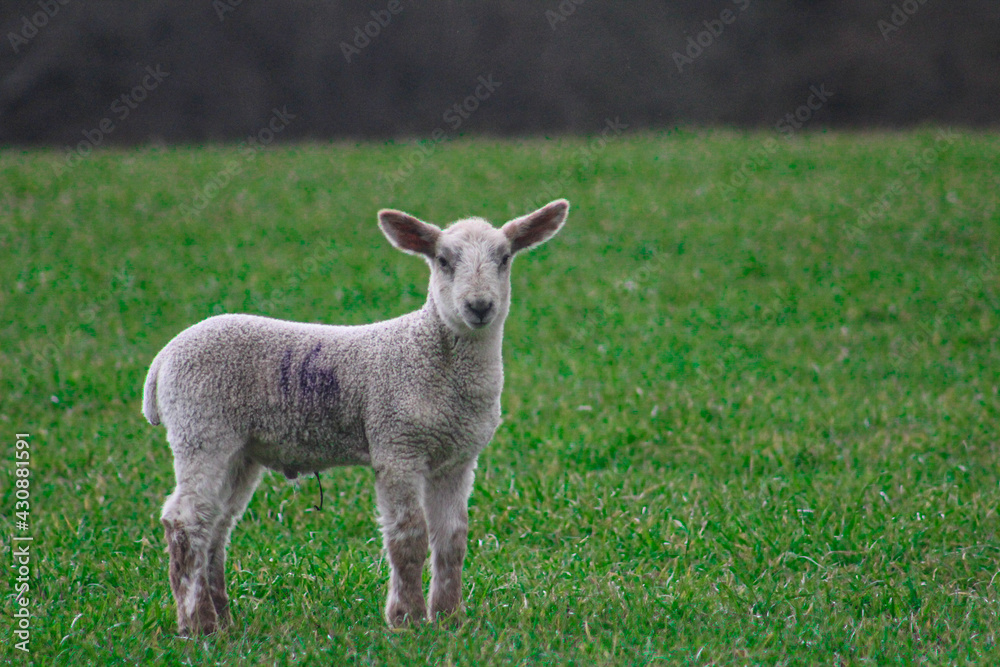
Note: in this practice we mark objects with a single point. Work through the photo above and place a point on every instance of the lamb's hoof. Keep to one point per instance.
(199, 627)
(399, 618)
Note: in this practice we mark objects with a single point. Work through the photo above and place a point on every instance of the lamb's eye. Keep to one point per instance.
(504, 260)
(443, 263)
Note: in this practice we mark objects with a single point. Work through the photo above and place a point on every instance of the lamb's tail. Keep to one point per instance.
(149, 407)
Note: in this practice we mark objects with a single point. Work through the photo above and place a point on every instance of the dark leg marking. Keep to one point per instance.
(446, 566)
(217, 585)
(180, 565)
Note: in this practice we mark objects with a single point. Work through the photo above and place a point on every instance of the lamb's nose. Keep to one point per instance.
(480, 308)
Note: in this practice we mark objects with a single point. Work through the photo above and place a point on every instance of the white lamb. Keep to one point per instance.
(416, 397)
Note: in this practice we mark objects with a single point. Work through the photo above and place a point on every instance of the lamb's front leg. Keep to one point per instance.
(446, 502)
(404, 532)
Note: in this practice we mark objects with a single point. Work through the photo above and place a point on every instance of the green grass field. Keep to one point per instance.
(751, 411)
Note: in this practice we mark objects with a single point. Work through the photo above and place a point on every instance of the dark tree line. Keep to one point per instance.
(119, 71)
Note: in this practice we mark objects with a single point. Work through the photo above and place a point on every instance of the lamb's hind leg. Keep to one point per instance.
(244, 475)
(190, 517)
(446, 503)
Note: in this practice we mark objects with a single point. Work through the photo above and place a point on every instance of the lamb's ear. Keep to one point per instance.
(407, 233)
(538, 227)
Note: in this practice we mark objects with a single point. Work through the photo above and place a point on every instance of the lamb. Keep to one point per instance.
(416, 397)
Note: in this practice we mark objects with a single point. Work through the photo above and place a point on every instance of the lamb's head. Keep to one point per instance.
(470, 260)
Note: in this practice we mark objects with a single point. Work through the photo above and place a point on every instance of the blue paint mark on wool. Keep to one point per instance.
(317, 382)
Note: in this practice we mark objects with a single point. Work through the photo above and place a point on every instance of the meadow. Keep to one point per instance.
(751, 412)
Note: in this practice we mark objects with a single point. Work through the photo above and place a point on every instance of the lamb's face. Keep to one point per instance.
(470, 261)
(470, 275)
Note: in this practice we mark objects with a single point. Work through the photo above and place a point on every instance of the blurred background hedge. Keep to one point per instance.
(562, 67)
